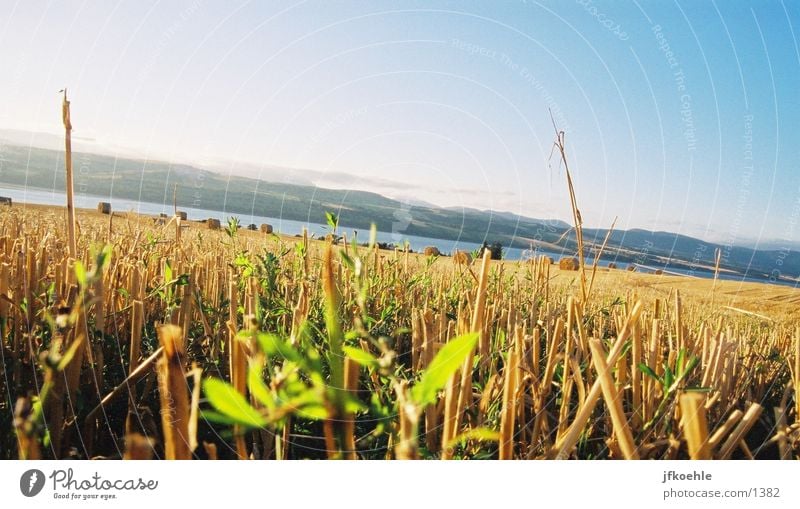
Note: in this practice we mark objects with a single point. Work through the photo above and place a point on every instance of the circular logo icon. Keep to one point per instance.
(31, 482)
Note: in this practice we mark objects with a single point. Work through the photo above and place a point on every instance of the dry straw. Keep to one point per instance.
(531, 388)
(174, 393)
(65, 117)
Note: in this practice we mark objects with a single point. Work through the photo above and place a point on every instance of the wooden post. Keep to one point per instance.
(73, 248)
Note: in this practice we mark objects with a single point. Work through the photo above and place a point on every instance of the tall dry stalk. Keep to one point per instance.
(550, 409)
(65, 117)
(598, 256)
(735, 439)
(576, 214)
(796, 381)
(238, 362)
(717, 260)
(465, 396)
(451, 394)
(564, 446)
(695, 425)
(138, 447)
(613, 401)
(27, 441)
(335, 432)
(351, 374)
(174, 394)
(137, 317)
(509, 407)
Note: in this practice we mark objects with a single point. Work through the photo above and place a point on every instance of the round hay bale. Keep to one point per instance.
(546, 259)
(612, 265)
(252, 227)
(658, 272)
(631, 268)
(213, 224)
(462, 258)
(5, 200)
(104, 207)
(432, 251)
(182, 215)
(568, 263)
(266, 228)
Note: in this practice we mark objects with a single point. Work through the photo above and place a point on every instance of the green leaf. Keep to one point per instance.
(647, 370)
(218, 418)
(167, 271)
(332, 220)
(80, 272)
(680, 361)
(230, 403)
(479, 434)
(442, 367)
(689, 367)
(314, 412)
(698, 389)
(353, 405)
(347, 260)
(103, 258)
(69, 354)
(313, 361)
(373, 235)
(360, 356)
(309, 404)
(258, 388)
(669, 378)
(274, 346)
(692, 364)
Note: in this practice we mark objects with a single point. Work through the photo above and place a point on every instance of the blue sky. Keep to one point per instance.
(680, 116)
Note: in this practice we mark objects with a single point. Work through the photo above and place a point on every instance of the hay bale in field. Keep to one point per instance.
(162, 215)
(432, 251)
(5, 200)
(213, 224)
(182, 215)
(658, 272)
(612, 265)
(546, 259)
(252, 227)
(266, 228)
(568, 263)
(104, 207)
(631, 268)
(462, 257)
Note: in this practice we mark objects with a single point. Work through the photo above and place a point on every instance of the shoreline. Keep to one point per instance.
(701, 271)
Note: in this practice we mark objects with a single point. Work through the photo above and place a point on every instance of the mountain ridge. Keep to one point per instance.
(154, 181)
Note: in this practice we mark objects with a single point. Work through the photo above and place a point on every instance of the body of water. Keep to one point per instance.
(291, 227)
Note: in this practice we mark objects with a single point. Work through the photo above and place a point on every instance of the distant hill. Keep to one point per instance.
(153, 181)
(697, 253)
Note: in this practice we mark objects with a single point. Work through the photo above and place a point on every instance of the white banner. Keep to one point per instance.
(398, 484)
